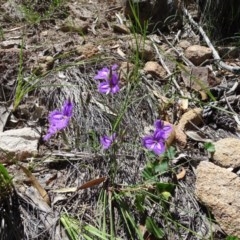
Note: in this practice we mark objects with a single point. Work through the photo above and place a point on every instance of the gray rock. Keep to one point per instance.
(198, 54)
(219, 189)
(184, 44)
(143, 47)
(74, 25)
(11, 43)
(227, 152)
(155, 69)
(18, 143)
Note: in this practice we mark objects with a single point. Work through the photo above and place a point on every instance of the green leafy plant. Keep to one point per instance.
(209, 146)
(1, 33)
(23, 86)
(5, 181)
(232, 238)
(33, 15)
(153, 228)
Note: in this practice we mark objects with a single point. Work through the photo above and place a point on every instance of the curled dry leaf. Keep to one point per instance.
(172, 135)
(203, 95)
(181, 174)
(36, 184)
(183, 103)
(197, 136)
(194, 116)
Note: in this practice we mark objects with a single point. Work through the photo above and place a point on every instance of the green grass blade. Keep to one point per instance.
(71, 226)
(153, 228)
(96, 232)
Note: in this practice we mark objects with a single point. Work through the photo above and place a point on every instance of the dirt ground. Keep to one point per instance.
(61, 51)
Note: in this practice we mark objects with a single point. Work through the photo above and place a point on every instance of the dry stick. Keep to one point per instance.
(13, 29)
(186, 61)
(176, 39)
(166, 68)
(216, 56)
(235, 115)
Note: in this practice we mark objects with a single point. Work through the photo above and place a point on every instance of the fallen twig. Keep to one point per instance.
(216, 56)
(186, 61)
(166, 68)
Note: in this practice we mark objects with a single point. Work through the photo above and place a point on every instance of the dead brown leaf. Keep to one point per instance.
(36, 184)
(194, 116)
(182, 174)
(5, 112)
(92, 183)
(199, 78)
(172, 135)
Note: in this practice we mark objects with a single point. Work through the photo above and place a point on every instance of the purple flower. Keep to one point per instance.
(67, 109)
(110, 80)
(164, 130)
(105, 73)
(107, 141)
(156, 141)
(110, 86)
(59, 120)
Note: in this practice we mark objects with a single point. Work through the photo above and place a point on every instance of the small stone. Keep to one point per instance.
(144, 47)
(11, 43)
(18, 144)
(227, 152)
(184, 44)
(75, 25)
(198, 54)
(126, 69)
(219, 190)
(87, 50)
(45, 63)
(155, 69)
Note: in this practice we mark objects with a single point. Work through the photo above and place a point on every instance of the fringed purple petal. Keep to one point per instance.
(159, 148)
(67, 109)
(107, 141)
(104, 88)
(59, 120)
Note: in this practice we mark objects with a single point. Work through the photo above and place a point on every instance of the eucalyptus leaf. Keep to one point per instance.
(196, 136)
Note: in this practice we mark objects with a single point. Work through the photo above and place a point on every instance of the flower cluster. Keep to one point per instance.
(156, 141)
(59, 120)
(108, 80)
(109, 83)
